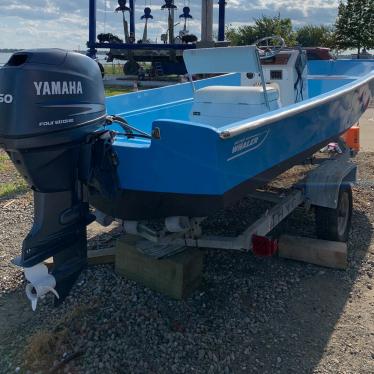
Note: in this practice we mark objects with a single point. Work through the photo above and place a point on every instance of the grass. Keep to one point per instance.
(11, 189)
(111, 91)
(5, 163)
(116, 69)
(13, 183)
(45, 347)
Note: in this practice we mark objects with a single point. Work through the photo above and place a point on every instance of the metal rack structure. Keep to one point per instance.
(168, 53)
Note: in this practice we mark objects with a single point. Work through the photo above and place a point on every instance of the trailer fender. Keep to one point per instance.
(323, 184)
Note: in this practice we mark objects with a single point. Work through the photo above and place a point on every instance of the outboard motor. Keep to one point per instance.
(52, 111)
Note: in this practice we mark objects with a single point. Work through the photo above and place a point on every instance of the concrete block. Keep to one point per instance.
(176, 276)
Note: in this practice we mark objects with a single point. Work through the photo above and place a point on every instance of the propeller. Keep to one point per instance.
(41, 282)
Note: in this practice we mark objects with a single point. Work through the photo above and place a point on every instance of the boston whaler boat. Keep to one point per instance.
(173, 153)
(223, 136)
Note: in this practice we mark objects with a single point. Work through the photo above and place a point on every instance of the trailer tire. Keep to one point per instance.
(335, 224)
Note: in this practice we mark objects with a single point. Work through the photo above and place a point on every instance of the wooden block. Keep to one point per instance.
(175, 276)
(314, 251)
(94, 257)
(101, 256)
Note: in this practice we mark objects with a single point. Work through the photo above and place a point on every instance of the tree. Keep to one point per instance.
(242, 35)
(355, 25)
(264, 26)
(316, 36)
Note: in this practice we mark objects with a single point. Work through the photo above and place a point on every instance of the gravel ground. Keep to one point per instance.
(251, 315)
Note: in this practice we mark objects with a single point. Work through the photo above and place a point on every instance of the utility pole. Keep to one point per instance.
(92, 29)
(221, 20)
(207, 21)
(132, 19)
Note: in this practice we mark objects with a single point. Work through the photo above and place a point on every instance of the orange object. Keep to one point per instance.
(352, 137)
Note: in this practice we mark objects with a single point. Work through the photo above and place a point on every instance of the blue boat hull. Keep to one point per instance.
(196, 169)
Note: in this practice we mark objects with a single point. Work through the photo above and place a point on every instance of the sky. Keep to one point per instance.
(64, 23)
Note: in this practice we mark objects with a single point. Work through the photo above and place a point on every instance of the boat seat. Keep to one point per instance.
(221, 105)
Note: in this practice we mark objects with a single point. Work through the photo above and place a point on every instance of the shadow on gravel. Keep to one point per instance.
(290, 308)
(99, 239)
(313, 309)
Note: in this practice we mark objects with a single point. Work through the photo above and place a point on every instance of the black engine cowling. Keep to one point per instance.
(51, 100)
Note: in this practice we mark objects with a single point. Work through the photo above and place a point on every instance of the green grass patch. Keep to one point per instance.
(111, 91)
(5, 163)
(115, 69)
(11, 189)
(12, 183)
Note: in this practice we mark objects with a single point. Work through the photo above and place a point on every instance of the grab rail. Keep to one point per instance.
(297, 109)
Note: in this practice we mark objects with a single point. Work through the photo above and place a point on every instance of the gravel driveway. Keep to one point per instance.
(251, 315)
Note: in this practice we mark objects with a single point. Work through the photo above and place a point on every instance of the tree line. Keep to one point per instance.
(353, 29)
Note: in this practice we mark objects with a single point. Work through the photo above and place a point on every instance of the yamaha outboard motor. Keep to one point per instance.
(52, 110)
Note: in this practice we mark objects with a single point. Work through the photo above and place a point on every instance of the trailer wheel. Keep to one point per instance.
(334, 224)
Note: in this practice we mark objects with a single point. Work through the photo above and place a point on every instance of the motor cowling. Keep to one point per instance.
(50, 100)
(52, 109)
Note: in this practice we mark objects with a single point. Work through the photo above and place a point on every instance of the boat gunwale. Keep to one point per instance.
(153, 108)
(295, 109)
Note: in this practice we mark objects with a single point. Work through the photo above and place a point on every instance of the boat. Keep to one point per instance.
(176, 153)
(219, 140)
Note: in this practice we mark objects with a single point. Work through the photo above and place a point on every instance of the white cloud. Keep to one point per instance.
(52, 23)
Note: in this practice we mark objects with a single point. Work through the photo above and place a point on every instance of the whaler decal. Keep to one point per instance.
(247, 144)
(58, 88)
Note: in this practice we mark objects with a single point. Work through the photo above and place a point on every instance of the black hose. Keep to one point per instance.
(130, 131)
(132, 135)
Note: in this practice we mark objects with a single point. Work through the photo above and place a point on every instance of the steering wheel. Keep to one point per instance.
(269, 51)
